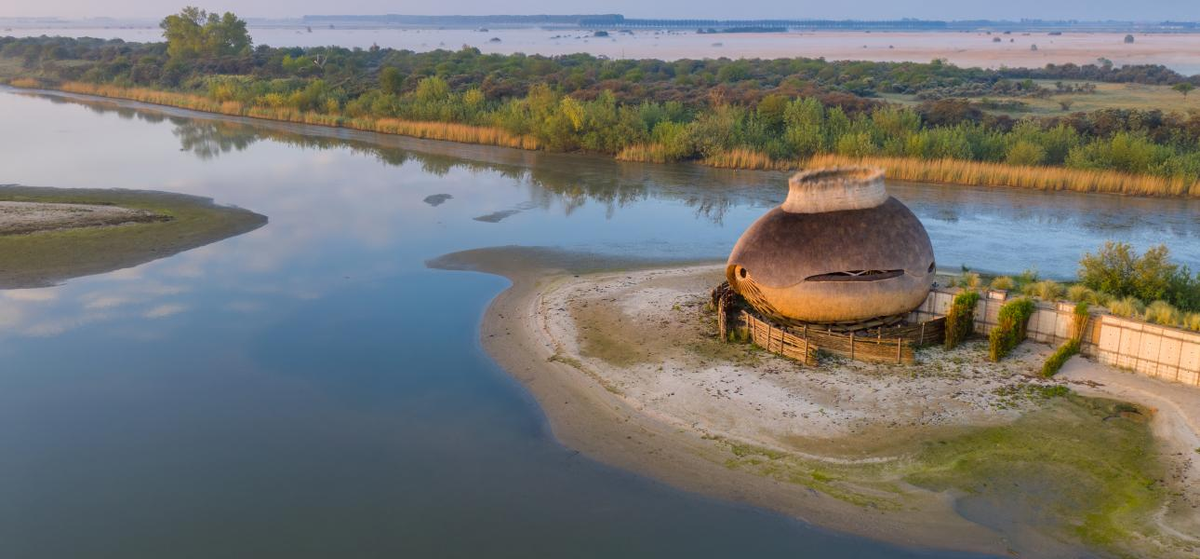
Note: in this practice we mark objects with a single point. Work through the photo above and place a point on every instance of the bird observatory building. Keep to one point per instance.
(839, 266)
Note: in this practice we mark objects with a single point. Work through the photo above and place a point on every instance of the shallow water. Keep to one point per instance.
(312, 389)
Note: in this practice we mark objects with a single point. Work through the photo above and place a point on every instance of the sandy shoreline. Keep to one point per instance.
(20, 218)
(680, 426)
(585, 416)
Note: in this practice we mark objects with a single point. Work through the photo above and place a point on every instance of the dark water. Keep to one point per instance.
(311, 389)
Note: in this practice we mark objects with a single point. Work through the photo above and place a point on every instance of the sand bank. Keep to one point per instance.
(49, 235)
(19, 218)
(628, 372)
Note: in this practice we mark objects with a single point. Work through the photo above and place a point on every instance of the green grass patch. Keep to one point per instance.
(1079, 469)
(1085, 463)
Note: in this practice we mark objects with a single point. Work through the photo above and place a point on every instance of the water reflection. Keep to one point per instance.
(992, 229)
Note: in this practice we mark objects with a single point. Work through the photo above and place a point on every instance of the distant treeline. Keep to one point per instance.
(620, 21)
(469, 21)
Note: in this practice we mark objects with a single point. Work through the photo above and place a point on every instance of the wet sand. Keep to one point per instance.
(672, 408)
(20, 218)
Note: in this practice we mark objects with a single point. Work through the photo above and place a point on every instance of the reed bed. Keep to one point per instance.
(742, 158)
(447, 131)
(30, 83)
(947, 171)
(974, 173)
(647, 153)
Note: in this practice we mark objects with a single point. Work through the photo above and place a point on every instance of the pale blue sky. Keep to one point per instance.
(844, 9)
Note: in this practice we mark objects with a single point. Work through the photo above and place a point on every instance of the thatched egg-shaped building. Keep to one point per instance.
(839, 250)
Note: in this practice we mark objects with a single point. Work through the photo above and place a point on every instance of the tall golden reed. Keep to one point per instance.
(742, 158)
(453, 132)
(974, 173)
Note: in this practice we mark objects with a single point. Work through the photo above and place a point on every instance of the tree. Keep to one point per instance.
(1116, 270)
(391, 81)
(195, 33)
(1184, 87)
(1025, 153)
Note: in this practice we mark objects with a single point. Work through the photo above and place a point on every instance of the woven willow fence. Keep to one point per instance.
(880, 345)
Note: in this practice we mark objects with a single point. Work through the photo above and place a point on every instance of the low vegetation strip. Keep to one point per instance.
(944, 171)
(448, 131)
(978, 173)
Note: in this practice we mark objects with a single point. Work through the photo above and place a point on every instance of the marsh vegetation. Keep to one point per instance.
(727, 113)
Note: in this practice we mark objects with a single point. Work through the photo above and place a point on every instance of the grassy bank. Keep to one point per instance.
(429, 130)
(975, 173)
(942, 171)
(44, 258)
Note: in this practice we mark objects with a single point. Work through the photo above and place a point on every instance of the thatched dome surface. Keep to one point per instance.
(838, 265)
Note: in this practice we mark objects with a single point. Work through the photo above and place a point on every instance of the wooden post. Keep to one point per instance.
(922, 342)
(1179, 362)
(852, 345)
(721, 327)
(898, 351)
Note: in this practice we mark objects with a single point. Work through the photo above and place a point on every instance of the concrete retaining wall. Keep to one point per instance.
(1149, 349)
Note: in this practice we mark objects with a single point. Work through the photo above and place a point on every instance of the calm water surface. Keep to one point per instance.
(311, 389)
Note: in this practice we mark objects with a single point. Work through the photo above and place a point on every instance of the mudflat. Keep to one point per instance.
(48, 235)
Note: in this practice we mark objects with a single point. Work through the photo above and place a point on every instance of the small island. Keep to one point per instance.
(48, 235)
(955, 447)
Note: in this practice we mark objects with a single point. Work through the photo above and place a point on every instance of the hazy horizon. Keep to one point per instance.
(1090, 10)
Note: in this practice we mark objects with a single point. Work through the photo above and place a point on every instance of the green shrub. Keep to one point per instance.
(1002, 283)
(1129, 307)
(1060, 356)
(960, 320)
(1046, 290)
(1011, 327)
(1117, 270)
(1161, 312)
(969, 280)
(1082, 314)
(1192, 321)
(1081, 294)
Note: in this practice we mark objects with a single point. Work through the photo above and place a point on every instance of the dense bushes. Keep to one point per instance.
(1117, 271)
(1072, 346)
(1010, 327)
(1067, 350)
(960, 319)
(756, 113)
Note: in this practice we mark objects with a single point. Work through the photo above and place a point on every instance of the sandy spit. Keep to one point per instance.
(613, 429)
